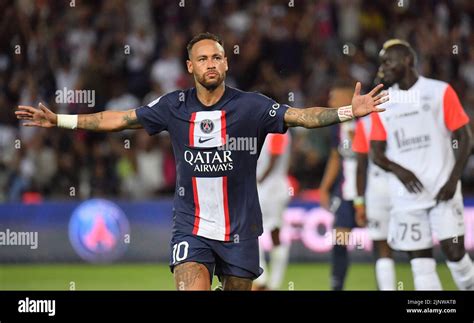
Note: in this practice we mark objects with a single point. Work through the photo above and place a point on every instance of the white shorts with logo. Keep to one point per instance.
(377, 201)
(413, 230)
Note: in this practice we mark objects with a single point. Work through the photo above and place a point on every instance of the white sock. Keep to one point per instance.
(278, 263)
(424, 274)
(385, 273)
(261, 281)
(462, 272)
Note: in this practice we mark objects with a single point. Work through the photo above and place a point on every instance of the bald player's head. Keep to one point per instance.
(397, 58)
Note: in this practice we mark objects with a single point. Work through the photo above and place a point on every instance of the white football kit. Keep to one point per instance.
(417, 126)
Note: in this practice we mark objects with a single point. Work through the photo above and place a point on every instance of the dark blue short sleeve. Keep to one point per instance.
(271, 115)
(154, 117)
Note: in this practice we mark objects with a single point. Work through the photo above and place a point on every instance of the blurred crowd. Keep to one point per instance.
(127, 53)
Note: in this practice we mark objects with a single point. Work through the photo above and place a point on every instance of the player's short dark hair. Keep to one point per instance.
(203, 36)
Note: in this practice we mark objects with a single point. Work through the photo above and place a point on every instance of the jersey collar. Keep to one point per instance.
(228, 94)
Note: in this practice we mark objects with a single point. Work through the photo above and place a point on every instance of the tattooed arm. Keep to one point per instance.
(101, 121)
(311, 117)
(319, 117)
(109, 121)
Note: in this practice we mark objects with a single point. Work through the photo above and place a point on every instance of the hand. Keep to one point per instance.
(447, 191)
(360, 216)
(42, 117)
(362, 105)
(411, 182)
(324, 198)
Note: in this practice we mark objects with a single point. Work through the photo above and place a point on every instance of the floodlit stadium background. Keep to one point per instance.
(125, 54)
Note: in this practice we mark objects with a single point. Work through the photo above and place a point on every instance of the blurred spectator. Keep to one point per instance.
(141, 48)
(128, 53)
(120, 98)
(168, 70)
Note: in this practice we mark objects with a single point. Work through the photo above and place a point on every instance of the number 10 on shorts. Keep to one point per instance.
(180, 251)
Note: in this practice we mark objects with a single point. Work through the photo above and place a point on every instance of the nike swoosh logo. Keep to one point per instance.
(204, 140)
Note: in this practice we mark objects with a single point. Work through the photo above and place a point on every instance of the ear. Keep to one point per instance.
(189, 65)
(226, 65)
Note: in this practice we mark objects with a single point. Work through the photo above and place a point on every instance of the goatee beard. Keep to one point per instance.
(211, 87)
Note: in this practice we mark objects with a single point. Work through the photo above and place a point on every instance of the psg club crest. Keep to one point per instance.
(99, 231)
(207, 126)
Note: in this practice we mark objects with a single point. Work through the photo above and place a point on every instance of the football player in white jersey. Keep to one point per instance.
(372, 205)
(423, 140)
(274, 195)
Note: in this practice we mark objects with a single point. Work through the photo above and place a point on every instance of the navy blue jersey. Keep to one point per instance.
(216, 150)
(341, 139)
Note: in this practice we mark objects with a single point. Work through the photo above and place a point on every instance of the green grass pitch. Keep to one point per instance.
(299, 276)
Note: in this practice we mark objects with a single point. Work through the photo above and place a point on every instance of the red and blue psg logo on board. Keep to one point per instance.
(98, 231)
(207, 126)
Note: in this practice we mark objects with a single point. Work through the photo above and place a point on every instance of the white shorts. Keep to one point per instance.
(377, 205)
(413, 230)
(378, 217)
(273, 202)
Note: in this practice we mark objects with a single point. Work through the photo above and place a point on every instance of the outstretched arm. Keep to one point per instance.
(101, 121)
(319, 117)
(109, 121)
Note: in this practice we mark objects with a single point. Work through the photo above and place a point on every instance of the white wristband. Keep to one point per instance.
(68, 121)
(345, 113)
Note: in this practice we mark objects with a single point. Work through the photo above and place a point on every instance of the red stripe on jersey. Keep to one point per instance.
(196, 206)
(226, 208)
(191, 130)
(360, 143)
(223, 127)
